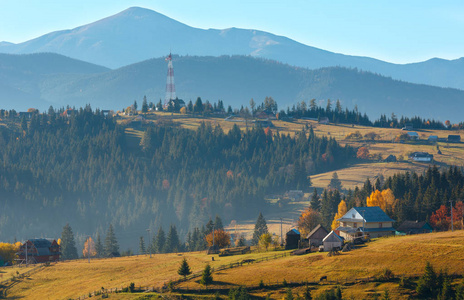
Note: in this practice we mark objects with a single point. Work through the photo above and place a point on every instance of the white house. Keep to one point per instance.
(421, 156)
(360, 221)
(332, 240)
(413, 135)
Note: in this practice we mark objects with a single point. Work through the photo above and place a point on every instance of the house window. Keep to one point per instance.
(353, 215)
(380, 225)
(344, 224)
(355, 225)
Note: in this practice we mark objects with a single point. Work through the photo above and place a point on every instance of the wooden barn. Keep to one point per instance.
(39, 251)
(414, 227)
(332, 241)
(316, 236)
(292, 239)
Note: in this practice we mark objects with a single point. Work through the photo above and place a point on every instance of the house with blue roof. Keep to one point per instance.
(292, 239)
(365, 221)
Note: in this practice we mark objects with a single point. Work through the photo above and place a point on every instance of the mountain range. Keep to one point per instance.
(40, 80)
(138, 34)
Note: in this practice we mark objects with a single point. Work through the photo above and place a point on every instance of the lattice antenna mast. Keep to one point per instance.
(170, 87)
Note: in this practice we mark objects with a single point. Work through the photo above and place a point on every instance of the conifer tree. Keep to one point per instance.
(160, 240)
(307, 294)
(260, 229)
(184, 268)
(142, 246)
(206, 276)
(218, 223)
(99, 246)
(144, 104)
(111, 247)
(335, 182)
(172, 240)
(315, 202)
(68, 245)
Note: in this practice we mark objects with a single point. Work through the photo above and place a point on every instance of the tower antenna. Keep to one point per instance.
(170, 87)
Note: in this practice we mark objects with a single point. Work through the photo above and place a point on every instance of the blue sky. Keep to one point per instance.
(396, 31)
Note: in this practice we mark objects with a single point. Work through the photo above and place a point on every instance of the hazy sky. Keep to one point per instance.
(393, 30)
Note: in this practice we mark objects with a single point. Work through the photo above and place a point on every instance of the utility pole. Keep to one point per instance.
(149, 245)
(451, 204)
(213, 235)
(281, 236)
(26, 253)
(363, 211)
(88, 248)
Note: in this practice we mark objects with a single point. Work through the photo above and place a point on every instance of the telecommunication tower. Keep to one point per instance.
(170, 87)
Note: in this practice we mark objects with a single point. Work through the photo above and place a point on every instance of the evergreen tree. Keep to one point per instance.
(184, 268)
(68, 246)
(160, 240)
(338, 293)
(307, 294)
(335, 183)
(218, 223)
(428, 282)
(144, 104)
(111, 247)
(99, 246)
(172, 240)
(260, 229)
(315, 202)
(135, 106)
(289, 294)
(142, 246)
(206, 276)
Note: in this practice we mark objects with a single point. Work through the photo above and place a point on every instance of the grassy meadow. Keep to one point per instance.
(403, 255)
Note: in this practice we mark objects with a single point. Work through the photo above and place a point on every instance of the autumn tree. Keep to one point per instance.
(8, 252)
(184, 268)
(221, 238)
(341, 212)
(89, 248)
(183, 110)
(384, 199)
(440, 218)
(265, 240)
(308, 220)
(363, 153)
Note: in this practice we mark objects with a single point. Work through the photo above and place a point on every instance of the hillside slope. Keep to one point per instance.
(235, 80)
(138, 34)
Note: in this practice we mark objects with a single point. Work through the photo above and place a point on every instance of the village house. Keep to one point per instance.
(324, 120)
(332, 242)
(454, 138)
(413, 227)
(39, 251)
(316, 236)
(361, 221)
(413, 135)
(421, 156)
(292, 239)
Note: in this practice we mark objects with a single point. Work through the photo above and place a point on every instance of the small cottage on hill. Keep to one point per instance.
(332, 241)
(316, 236)
(39, 251)
(292, 239)
(361, 221)
(414, 227)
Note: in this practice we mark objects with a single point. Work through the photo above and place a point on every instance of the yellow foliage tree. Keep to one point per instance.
(265, 240)
(183, 110)
(58, 242)
(384, 199)
(309, 219)
(89, 248)
(221, 238)
(341, 212)
(8, 252)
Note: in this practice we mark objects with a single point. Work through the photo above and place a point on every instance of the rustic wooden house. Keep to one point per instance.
(414, 227)
(331, 241)
(316, 236)
(39, 251)
(292, 239)
(365, 221)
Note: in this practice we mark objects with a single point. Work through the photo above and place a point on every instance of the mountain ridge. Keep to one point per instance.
(137, 34)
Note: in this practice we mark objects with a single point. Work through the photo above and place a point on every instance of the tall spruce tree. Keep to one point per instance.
(111, 247)
(99, 246)
(172, 240)
(160, 240)
(335, 182)
(218, 223)
(184, 268)
(206, 276)
(144, 105)
(315, 202)
(142, 246)
(68, 245)
(260, 229)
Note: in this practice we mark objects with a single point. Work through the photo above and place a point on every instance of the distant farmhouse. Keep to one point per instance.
(316, 236)
(324, 120)
(39, 251)
(414, 227)
(408, 126)
(413, 135)
(454, 138)
(421, 156)
(360, 221)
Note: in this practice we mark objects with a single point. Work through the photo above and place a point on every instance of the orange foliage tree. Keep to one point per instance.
(341, 212)
(89, 248)
(458, 214)
(384, 199)
(221, 238)
(440, 219)
(363, 153)
(309, 219)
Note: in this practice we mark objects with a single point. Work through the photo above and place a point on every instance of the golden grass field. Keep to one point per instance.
(403, 255)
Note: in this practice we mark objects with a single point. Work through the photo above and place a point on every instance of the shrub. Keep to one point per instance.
(371, 136)
(387, 275)
(354, 136)
(284, 283)
(261, 284)
(363, 153)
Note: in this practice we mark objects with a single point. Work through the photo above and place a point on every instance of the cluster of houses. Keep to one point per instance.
(452, 138)
(356, 225)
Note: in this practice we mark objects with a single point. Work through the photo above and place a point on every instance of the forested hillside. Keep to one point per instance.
(82, 170)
